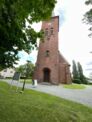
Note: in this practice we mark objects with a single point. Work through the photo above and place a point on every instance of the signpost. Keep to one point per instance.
(15, 78)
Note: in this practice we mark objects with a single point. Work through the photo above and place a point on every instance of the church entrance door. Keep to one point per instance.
(46, 75)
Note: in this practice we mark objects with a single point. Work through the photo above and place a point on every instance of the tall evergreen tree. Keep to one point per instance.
(81, 75)
(75, 71)
(75, 74)
(80, 72)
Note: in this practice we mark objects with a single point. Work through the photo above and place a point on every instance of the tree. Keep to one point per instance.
(21, 69)
(81, 75)
(78, 76)
(26, 70)
(75, 71)
(75, 74)
(15, 34)
(88, 16)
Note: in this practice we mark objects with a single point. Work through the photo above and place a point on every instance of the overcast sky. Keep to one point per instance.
(74, 42)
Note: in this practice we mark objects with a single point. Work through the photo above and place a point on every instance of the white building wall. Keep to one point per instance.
(9, 72)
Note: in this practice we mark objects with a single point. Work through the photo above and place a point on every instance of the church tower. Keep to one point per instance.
(51, 66)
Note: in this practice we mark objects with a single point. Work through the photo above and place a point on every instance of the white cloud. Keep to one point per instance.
(74, 42)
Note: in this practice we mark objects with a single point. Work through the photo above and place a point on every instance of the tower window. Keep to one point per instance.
(51, 30)
(43, 34)
(48, 38)
(47, 53)
(46, 32)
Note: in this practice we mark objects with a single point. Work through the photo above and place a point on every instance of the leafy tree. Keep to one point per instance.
(15, 34)
(26, 72)
(81, 75)
(78, 76)
(80, 71)
(75, 71)
(75, 74)
(29, 69)
(21, 69)
(88, 16)
(26, 69)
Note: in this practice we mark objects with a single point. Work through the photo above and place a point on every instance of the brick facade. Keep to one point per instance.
(51, 65)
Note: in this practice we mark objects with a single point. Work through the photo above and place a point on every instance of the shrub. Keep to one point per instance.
(84, 80)
(78, 81)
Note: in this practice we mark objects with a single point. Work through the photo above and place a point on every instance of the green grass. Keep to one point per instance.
(33, 106)
(74, 86)
(21, 80)
(27, 81)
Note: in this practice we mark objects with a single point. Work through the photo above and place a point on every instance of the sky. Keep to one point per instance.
(74, 42)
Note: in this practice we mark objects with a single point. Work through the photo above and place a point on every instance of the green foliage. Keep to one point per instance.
(26, 70)
(33, 106)
(78, 81)
(78, 76)
(15, 34)
(74, 71)
(21, 69)
(88, 2)
(81, 75)
(29, 81)
(74, 86)
(88, 16)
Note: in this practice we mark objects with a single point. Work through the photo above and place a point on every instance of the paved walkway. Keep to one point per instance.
(83, 96)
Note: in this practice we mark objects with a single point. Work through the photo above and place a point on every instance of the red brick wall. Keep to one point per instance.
(52, 62)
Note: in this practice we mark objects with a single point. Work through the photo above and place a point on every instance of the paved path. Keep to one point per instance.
(83, 96)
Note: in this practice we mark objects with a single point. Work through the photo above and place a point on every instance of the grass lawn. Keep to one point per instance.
(33, 106)
(27, 80)
(74, 86)
(21, 80)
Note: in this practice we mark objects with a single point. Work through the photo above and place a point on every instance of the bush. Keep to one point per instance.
(89, 83)
(78, 81)
(85, 81)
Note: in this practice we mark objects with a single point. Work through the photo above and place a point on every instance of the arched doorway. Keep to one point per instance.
(46, 75)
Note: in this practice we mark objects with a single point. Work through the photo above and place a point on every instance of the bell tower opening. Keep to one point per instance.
(46, 75)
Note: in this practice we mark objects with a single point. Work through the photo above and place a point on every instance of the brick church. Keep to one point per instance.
(51, 66)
